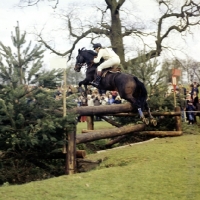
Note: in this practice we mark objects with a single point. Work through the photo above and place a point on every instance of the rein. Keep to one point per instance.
(91, 64)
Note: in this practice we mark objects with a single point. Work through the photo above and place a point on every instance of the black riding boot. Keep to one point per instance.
(96, 81)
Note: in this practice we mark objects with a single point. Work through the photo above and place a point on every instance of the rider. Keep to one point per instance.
(110, 57)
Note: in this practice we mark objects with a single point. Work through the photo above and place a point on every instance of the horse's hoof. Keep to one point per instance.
(154, 122)
(146, 121)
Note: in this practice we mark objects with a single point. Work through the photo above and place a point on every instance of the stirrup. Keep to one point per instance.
(94, 83)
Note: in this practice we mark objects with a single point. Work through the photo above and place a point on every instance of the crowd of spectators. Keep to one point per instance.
(98, 98)
(189, 101)
(193, 104)
(94, 97)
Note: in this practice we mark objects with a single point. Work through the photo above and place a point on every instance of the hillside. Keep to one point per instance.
(165, 168)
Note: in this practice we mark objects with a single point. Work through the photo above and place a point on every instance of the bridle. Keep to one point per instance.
(81, 64)
(79, 57)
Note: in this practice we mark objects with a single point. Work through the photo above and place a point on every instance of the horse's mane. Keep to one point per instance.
(92, 52)
(89, 51)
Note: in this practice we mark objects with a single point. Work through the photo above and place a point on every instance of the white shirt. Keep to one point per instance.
(90, 102)
(105, 53)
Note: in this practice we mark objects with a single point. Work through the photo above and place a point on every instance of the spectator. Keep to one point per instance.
(198, 111)
(58, 92)
(117, 100)
(194, 88)
(104, 99)
(69, 92)
(188, 98)
(83, 103)
(195, 100)
(190, 108)
(110, 99)
(114, 94)
(181, 97)
(97, 102)
(182, 91)
(78, 101)
(58, 97)
(90, 100)
(183, 105)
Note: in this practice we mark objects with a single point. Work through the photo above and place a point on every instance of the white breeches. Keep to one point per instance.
(109, 63)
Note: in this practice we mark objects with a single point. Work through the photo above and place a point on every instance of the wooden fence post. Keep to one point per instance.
(90, 122)
(71, 153)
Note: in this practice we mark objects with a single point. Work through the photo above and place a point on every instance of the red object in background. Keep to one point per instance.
(114, 93)
(176, 72)
(83, 118)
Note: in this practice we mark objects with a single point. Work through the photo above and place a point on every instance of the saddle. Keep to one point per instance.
(113, 69)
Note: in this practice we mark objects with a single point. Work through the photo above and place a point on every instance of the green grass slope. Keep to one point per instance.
(162, 169)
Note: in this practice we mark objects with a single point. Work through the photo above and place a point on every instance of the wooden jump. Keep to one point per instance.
(117, 110)
(108, 133)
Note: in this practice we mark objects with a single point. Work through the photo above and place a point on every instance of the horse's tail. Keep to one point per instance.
(142, 97)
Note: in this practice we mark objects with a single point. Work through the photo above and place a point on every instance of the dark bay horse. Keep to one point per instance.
(129, 87)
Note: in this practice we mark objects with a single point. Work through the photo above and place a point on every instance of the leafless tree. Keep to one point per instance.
(192, 69)
(112, 25)
(24, 3)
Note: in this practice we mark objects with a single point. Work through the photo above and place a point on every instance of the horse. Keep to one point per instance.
(128, 86)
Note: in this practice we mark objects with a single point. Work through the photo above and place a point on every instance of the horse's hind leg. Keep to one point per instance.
(136, 103)
(146, 106)
(152, 119)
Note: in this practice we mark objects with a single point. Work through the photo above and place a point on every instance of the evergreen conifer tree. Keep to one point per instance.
(30, 130)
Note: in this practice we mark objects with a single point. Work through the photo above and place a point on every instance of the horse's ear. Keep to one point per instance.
(79, 50)
(82, 48)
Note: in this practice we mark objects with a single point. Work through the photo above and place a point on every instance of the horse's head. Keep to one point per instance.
(80, 61)
(84, 57)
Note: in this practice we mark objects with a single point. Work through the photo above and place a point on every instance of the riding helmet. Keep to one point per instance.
(97, 45)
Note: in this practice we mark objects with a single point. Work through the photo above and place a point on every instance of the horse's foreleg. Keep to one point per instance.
(84, 82)
(85, 92)
(81, 83)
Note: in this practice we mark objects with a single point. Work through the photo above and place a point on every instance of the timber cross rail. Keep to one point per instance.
(117, 110)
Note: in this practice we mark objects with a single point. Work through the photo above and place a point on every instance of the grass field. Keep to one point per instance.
(161, 169)
(97, 125)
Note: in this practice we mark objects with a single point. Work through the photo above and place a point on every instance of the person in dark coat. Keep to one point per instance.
(117, 100)
(191, 115)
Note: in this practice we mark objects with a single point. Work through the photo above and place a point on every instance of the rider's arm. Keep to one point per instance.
(99, 56)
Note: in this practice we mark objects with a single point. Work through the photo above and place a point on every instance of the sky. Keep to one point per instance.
(35, 17)
(29, 18)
